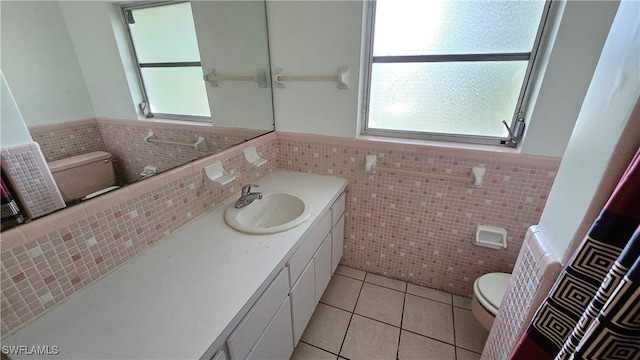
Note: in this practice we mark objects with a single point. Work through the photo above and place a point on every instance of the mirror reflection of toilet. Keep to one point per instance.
(489, 289)
(84, 176)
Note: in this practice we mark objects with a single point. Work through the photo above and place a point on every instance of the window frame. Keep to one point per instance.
(518, 118)
(144, 104)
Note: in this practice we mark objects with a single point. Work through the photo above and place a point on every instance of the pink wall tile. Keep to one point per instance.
(405, 227)
(178, 173)
(29, 175)
(58, 255)
(418, 229)
(125, 140)
(12, 238)
(63, 140)
(68, 215)
(106, 201)
(147, 185)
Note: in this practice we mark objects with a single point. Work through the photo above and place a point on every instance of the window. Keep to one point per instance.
(452, 70)
(166, 51)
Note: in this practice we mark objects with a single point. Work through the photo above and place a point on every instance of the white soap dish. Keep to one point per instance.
(216, 176)
(251, 157)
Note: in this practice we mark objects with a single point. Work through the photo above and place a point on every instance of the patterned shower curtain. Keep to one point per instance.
(593, 309)
(11, 214)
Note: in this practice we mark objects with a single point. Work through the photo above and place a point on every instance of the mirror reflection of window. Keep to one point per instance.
(166, 49)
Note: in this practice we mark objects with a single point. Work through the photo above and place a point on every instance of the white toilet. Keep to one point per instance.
(488, 291)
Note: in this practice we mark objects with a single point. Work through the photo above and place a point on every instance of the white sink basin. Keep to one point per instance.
(275, 212)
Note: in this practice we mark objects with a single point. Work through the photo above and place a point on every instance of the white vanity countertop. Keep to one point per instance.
(175, 299)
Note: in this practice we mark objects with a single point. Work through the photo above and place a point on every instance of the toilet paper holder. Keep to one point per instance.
(491, 237)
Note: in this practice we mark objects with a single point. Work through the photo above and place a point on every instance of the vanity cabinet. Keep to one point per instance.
(275, 323)
(319, 252)
(244, 298)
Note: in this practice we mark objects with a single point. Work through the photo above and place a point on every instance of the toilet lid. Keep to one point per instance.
(490, 289)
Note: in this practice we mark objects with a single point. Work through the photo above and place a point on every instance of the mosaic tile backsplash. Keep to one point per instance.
(63, 140)
(47, 260)
(420, 230)
(405, 227)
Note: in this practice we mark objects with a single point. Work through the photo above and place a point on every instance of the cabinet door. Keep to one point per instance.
(337, 244)
(276, 342)
(245, 336)
(303, 301)
(322, 263)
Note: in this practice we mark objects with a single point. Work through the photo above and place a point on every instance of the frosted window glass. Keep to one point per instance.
(176, 90)
(469, 98)
(165, 34)
(437, 27)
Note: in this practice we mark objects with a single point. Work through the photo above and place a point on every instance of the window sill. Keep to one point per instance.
(474, 151)
(379, 144)
(175, 121)
(446, 145)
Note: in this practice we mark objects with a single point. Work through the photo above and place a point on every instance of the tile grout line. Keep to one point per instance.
(405, 292)
(382, 322)
(400, 328)
(453, 323)
(351, 319)
(404, 301)
(317, 347)
(406, 289)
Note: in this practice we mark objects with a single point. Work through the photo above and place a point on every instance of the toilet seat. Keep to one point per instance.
(100, 192)
(489, 290)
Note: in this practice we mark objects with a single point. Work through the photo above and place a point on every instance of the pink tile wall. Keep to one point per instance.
(125, 140)
(63, 140)
(420, 230)
(47, 260)
(30, 177)
(534, 274)
(405, 227)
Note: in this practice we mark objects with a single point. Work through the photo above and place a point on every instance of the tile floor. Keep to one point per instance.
(367, 316)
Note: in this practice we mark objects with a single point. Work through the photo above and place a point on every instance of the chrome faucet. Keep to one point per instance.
(247, 196)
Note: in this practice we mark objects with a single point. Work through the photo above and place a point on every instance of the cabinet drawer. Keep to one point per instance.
(299, 260)
(337, 209)
(276, 342)
(245, 336)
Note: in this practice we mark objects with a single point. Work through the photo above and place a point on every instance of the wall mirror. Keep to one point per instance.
(73, 74)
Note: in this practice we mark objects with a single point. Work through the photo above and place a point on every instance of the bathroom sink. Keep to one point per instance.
(275, 212)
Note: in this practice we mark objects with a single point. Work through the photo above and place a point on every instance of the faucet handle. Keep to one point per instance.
(246, 190)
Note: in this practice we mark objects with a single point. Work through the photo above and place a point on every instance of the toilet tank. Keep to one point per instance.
(81, 175)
